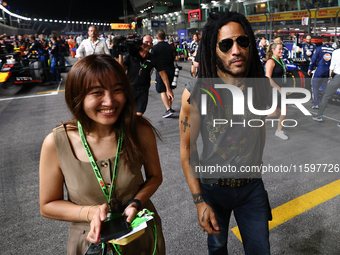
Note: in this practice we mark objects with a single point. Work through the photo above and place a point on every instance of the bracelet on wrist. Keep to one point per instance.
(87, 215)
(80, 212)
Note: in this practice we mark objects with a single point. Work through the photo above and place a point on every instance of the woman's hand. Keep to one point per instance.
(130, 212)
(96, 223)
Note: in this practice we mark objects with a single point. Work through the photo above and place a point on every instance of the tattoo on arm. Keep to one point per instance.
(198, 198)
(203, 215)
(185, 124)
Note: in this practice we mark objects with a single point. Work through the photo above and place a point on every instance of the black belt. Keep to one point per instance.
(237, 183)
(233, 183)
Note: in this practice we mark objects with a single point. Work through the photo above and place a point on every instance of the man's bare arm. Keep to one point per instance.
(189, 123)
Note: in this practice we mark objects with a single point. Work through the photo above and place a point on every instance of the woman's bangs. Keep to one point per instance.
(106, 77)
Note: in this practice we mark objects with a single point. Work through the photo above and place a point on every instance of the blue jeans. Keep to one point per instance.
(55, 71)
(252, 212)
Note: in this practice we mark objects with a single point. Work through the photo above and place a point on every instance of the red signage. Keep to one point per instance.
(194, 15)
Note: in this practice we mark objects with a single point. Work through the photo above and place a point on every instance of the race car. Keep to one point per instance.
(19, 69)
(296, 77)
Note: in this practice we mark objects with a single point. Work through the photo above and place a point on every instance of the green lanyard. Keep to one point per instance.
(101, 181)
(95, 167)
(281, 63)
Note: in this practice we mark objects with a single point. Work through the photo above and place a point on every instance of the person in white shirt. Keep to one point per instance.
(109, 43)
(79, 39)
(333, 84)
(335, 45)
(92, 45)
(154, 41)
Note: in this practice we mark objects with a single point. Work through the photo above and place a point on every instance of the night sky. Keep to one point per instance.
(74, 10)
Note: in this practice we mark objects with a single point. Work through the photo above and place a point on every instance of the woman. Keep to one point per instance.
(193, 51)
(98, 94)
(276, 71)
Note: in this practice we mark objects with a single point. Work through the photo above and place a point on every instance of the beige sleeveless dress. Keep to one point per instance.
(83, 189)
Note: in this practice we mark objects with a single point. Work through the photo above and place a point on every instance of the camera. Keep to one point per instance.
(130, 44)
(174, 82)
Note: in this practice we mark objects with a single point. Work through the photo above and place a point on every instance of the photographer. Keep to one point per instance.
(116, 41)
(139, 65)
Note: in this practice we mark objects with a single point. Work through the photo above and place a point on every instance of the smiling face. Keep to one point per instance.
(147, 43)
(277, 51)
(103, 105)
(234, 63)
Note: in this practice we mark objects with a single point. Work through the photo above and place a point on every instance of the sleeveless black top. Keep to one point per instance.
(278, 71)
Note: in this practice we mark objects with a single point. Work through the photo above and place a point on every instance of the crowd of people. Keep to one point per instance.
(50, 49)
(56, 48)
(79, 46)
(322, 63)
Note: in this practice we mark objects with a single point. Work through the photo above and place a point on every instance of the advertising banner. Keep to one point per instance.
(122, 26)
(295, 15)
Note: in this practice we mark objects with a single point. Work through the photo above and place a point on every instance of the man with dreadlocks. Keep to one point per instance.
(228, 58)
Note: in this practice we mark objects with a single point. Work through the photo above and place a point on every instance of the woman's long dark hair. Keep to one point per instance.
(207, 65)
(99, 68)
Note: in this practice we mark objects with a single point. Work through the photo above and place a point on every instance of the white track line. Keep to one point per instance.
(41, 95)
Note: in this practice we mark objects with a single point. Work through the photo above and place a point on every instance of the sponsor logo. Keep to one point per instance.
(327, 57)
(23, 78)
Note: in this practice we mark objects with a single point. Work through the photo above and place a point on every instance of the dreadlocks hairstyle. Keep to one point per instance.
(208, 56)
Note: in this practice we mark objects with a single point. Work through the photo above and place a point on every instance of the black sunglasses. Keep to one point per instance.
(225, 45)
